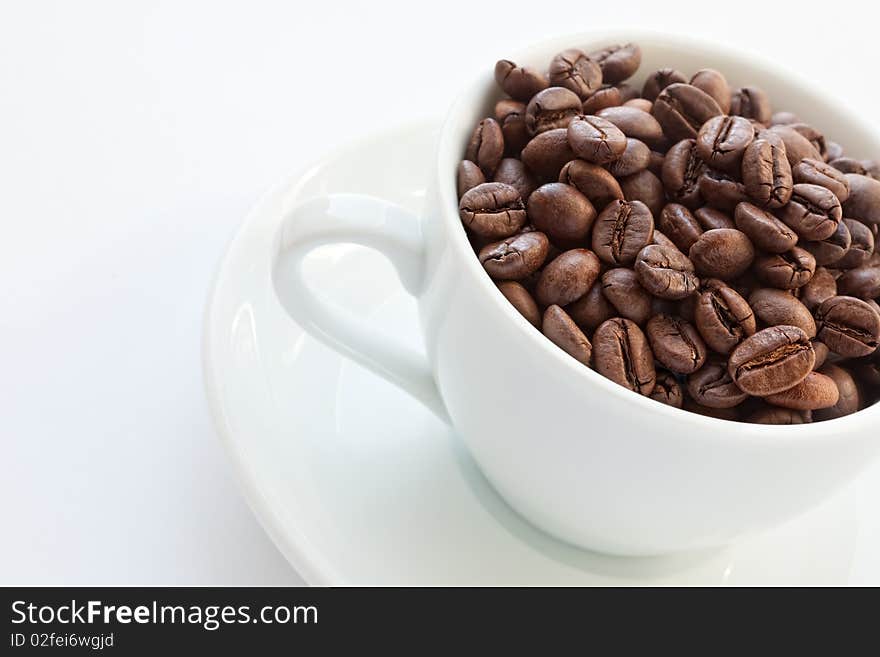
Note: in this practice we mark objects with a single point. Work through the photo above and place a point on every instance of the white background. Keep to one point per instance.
(134, 136)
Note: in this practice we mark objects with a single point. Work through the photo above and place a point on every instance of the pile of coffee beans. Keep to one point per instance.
(681, 239)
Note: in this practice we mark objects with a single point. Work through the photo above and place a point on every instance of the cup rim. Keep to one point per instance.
(449, 153)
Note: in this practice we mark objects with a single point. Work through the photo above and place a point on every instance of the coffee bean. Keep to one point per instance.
(635, 123)
(820, 287)
(519, 82)
(565, 334)
(715, 84)
(721, 190)
(628, 92)
(596, 140)
(722, 253)
(575, 71)
(682, 168)
(596, 183)
(814, 392)
(751, 103)
(868, 369)
(562, 212)
(567, 277)
(766, 172)
(468, 176)
(849, 326)
(729, 414)
(863, 282)
(777, 415)
(682, 109)
(622, 289)
(644, 186)
(831, 249)
(786, 271)
(817, 172)
(661, 240)
(772, 360)
(666, 272)
(622, 229)
(659, 80)
(764, 230)
(636, 157)
(547, 153)
(655, 164)
(861, 245)
(511, 115)
(676, 344)
(723, 317)
(712, 386)
(848, 165)
(822, 353)
(621, 354)
(849, 399)
(551, 108)
(617, 62)
(515, 257)
(774, 307)
(667, 390)
(492, 210)
(816, 138)
(519, 298)
(486, 147)
(640, 104)
(813, 212)
(604, 97)
(513, 172)
(680, 226)
(797, 147)
(592, 309)
(711, 218)
(864, 198)
(722, 140)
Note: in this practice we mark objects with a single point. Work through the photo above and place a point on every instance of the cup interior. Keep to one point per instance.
(788, 90)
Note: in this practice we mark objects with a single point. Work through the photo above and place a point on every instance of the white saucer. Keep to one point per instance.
(358, 484)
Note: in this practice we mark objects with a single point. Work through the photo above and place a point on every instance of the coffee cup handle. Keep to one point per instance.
(379, 225)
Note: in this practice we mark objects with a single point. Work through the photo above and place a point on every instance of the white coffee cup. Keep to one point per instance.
(579, 456)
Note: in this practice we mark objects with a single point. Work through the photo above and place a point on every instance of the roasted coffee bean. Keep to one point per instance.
(676, 344)
(596, 140)
(575, 71)
(721, 190)
(722, 140)
(849, 399)
(640, 104)
(594, 182)
(752, 103)
(515, 257)
(636, 157)
(863, 282)
(729, 414)
(831, 249)
(644, 186)
(519, 82)
(469, 176)
(813, 212)
(667, 390)
(797, 147)
(822, 353)
(659, 80)
(486, 147)
(784, 118)
(566, 335)
(861, 245)
(547, 153)
(712, 386)
(682, 109)
(492, 210)
(723, 317)
(682, 168)
(764, 230)
(820, 287)
(715, 84)
(849, 326)
(774, 307)
(848, 165)
(661, 240)
(562, 212)
(519, 298)
(617, 62)
(772, 360)
(568, 277)
(680, 226)
(592, 309)
(766, 172)
(816, 138)
(635, 123)
(513, 172)
(655, 164)
(712, 218)
(551, 108)
(666, 272)
(786, 271)
(776, 415)
(603, 97)
(817, 172)
(621, 354)
(511, 115)
(622, 289)
(628, 92)
(864, 198)
(723, 253)
(622, 229)
(814, 392)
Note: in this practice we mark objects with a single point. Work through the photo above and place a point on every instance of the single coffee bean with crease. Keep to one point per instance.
(605, 96)
(514, 173)
(722, 253)
(519, 298)
(593, 181)
(667, 390)
(712, 386)
(575, 71)
(519, 82)
(715, 84)
(849, 326)
(817, 172)
(681, 171)
(562, 212)
(492, 210)
(814, 392)
(679, 225)
(635, 123)
(751, 103)
(863, 202)
(786, 271)
(721, 190)
(468, 176)
(566, 335)
(861, 246)
(644, 186)
(723, 139)
(666, 272)
(820, 287)
(596, 140)
(636, 157)
(774, 307)
(622, 229)
(622, 289)
(831, 249)
(592, 309)
(849, 398)
(547, 153)
(551, 108)
(676, 344)
(764, 230)
(711, 218)
(863, 282)
(511, 115)
(617, 62)
(567, 277)
(621, 353)
(766, 172)
(771, 360)
(723, 317)
(682, 109)
(813, 212)
(486, 146)
(516, 257)
(659, 80)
